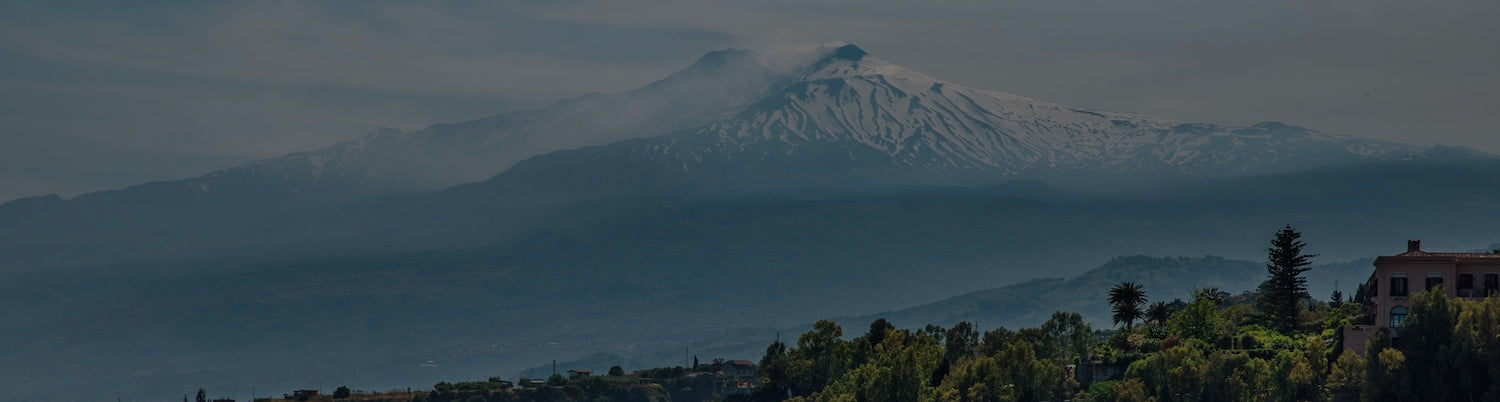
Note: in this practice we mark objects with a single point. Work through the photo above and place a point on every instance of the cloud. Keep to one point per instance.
(381, 46)
(104, 91)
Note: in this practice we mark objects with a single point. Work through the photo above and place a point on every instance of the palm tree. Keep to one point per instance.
(1127, 298)
(1158, 313)
(1211, 294)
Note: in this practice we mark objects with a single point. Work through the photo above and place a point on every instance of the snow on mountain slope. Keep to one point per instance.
(849, 111)
(729, 113)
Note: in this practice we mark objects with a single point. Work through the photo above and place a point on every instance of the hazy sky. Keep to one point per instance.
(108, 94)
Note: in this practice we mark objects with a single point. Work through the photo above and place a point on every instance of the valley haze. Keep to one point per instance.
(741, 195)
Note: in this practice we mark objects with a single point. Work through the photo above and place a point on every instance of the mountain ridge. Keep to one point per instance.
(734, 99)
(1023, 304)
(629, 275)
(851, 116)
(727, 122)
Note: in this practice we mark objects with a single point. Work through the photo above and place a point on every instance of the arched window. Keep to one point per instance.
(1398, 315)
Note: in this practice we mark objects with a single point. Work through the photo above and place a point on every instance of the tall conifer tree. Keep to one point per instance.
(1284, 289)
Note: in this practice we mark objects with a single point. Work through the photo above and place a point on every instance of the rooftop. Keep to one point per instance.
(1414, 253)
(1420, 253)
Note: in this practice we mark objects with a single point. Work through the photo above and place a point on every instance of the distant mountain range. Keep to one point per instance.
(851, 116)
(730, 120)
(729, 195)
(1026, 304)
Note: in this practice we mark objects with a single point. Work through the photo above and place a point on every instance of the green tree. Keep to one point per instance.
(1345, 314)
(1041, 342)
(1295, 378)
(1158, 313)
(862, 349)
(1281, 294)
(1176, 374)
(1126, 299)
(979, 379)
(1069, 338)
(935, 332)
(878, 329)
(341, 392)
(899, 371)
(1013, 374)
(1235, 377)
(1215, 295)
(1384, 379)
(820, 357)
(1427, 343)
(1346, 377)
(616, 371)
(202, 395)
(1132, 390)
(774, 367)
(996, 340)
(1475, 335)
(939, 373)
(1035, 378)
(961, 341)
(1200, 320)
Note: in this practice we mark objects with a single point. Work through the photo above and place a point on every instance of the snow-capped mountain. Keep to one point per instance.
(728, 119)
(731, 113)
(849, 112)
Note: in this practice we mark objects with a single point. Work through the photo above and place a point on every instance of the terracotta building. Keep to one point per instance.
(1398, 277)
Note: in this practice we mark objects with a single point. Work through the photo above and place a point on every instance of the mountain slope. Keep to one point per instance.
(1026, 304)
(852, 116)
(386, 161)
(447, 154)
(651, 273)
(1031, 303)
(728, 122)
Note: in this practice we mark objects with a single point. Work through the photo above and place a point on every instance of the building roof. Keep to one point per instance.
(1420, 253)
(740, 363)
(1424, 256)
(580, 371)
